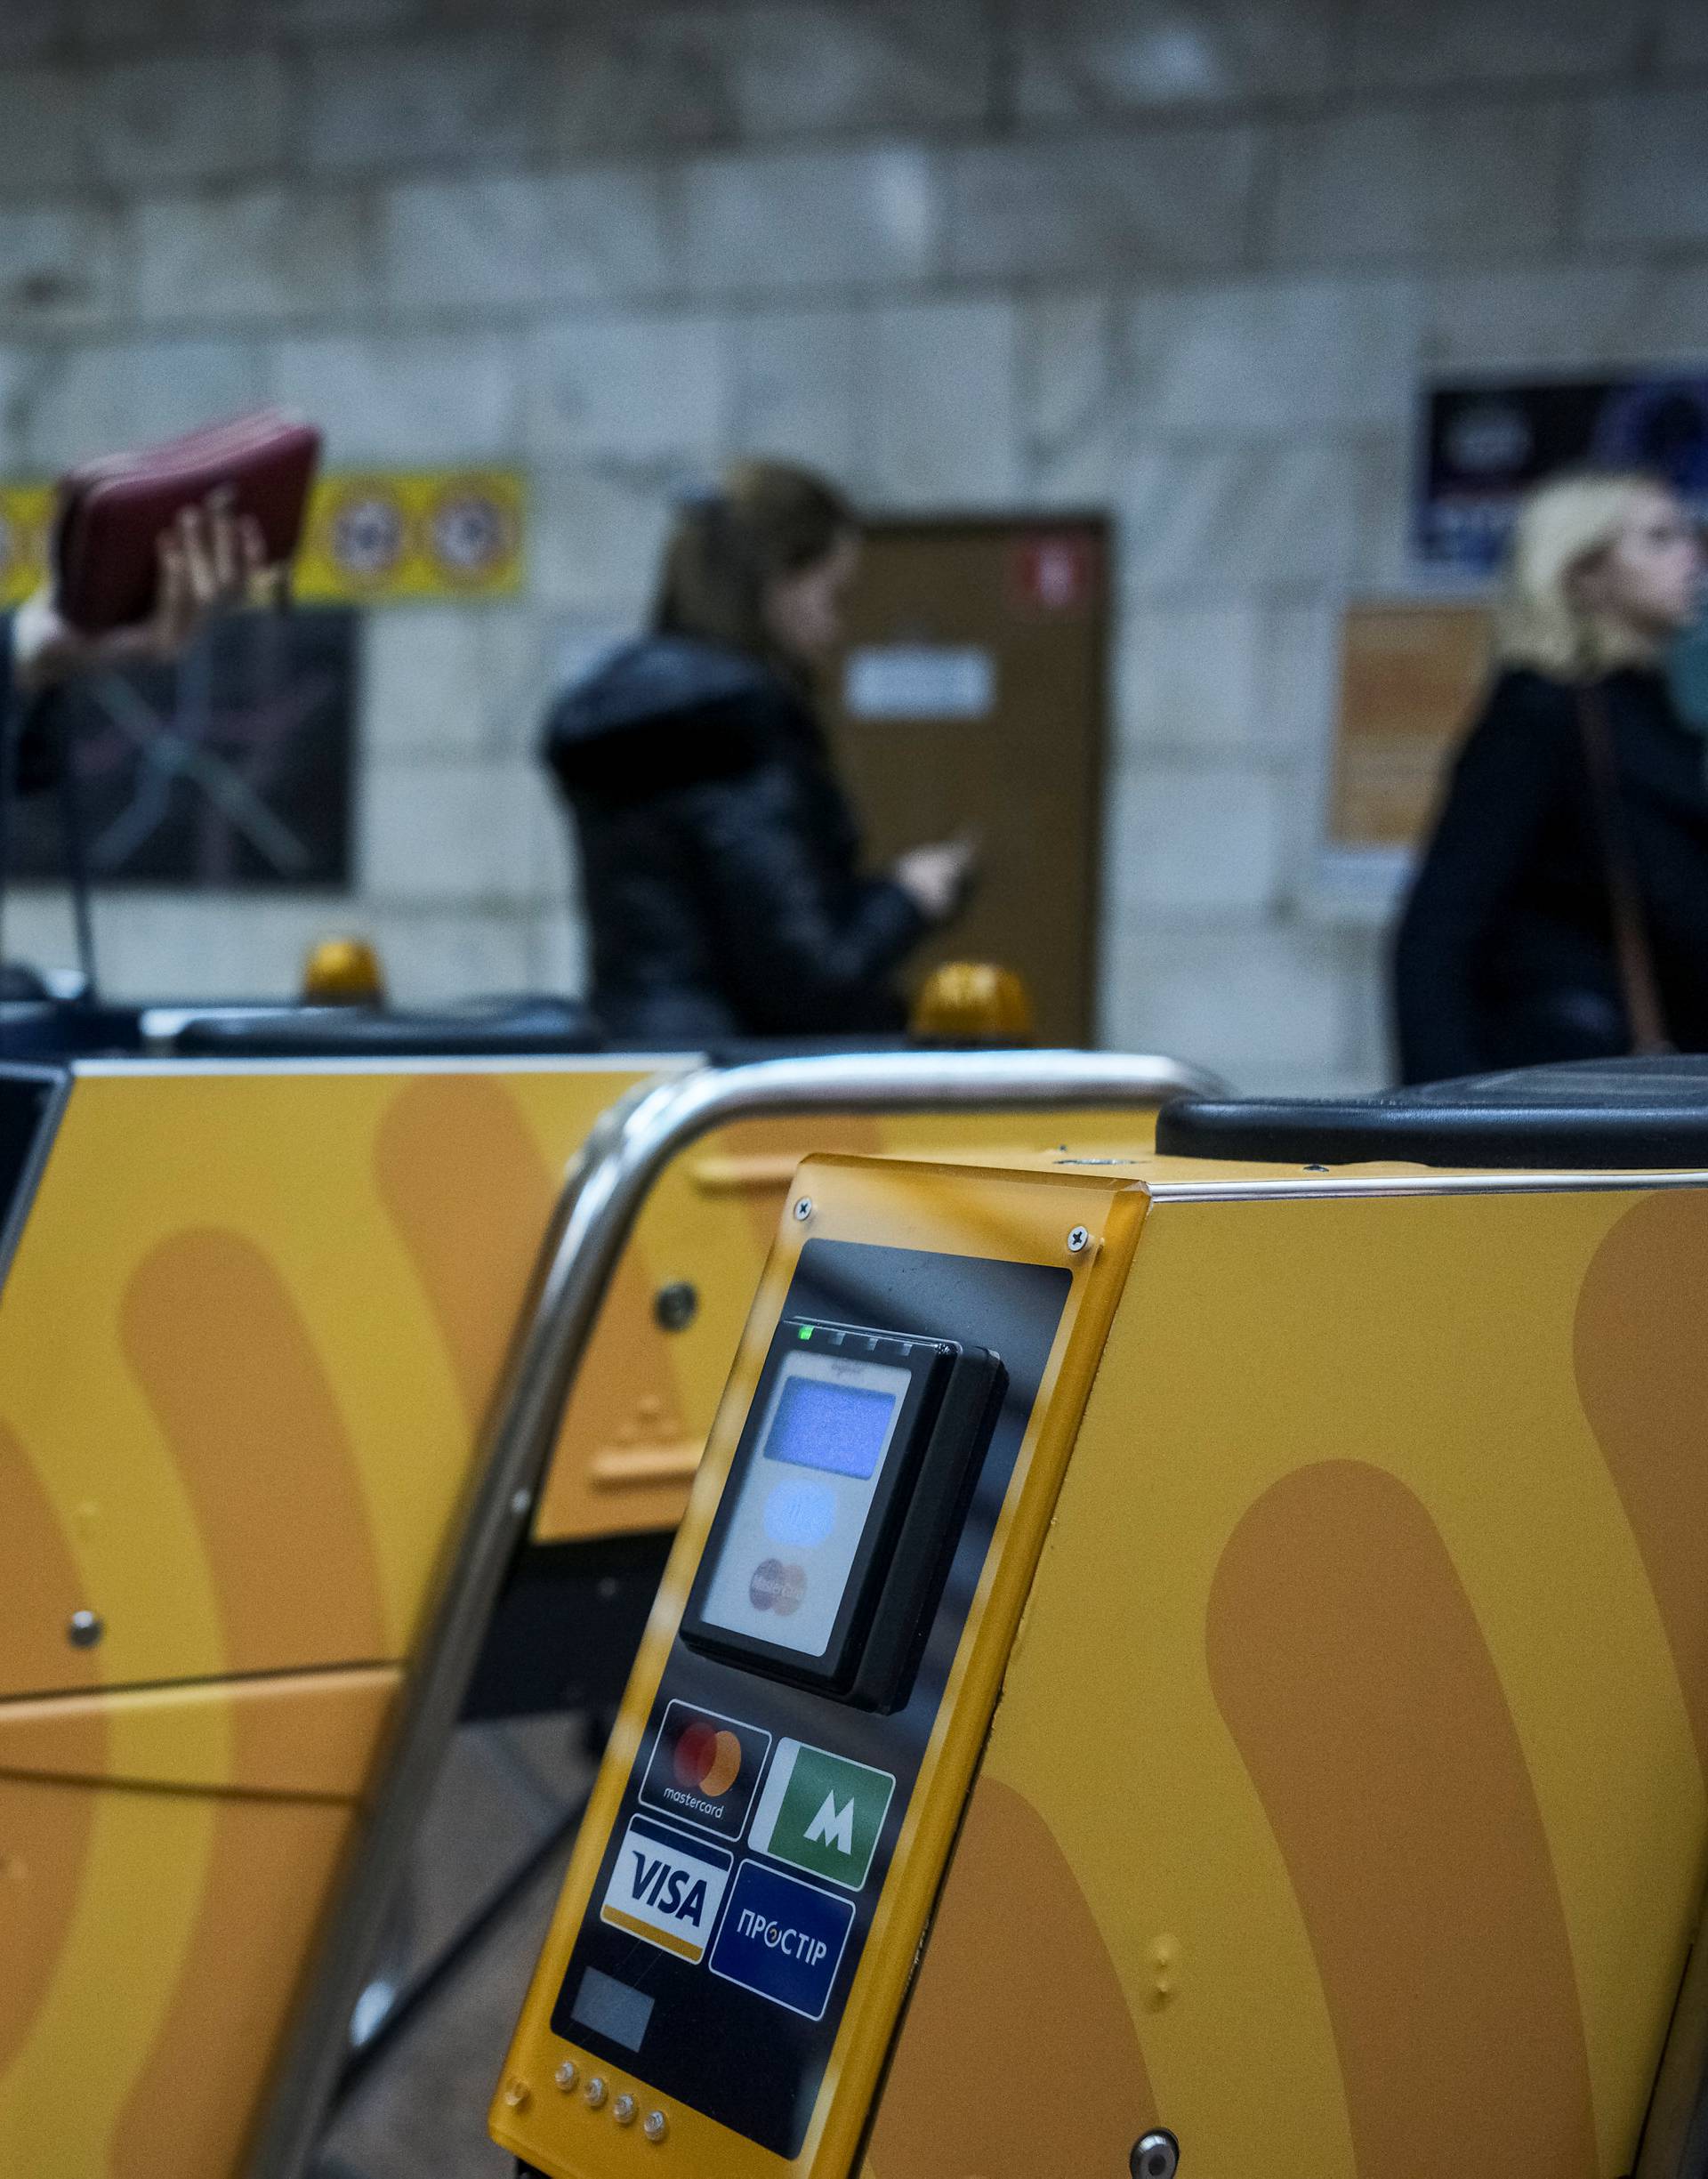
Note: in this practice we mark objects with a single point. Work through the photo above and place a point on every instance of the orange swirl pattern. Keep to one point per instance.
(472, 1220)
(1641, 1356)
(1357, 1683)
(44, 1839)
(1017, 1988)
(269, 1865)
(222, 1353)
(39, 1580)
(45, 1835)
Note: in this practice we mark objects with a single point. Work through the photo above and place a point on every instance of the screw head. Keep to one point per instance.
(675, 1306)
(804, 1208)
(1078, 1241)
(85, 1629)
(516, 2094)
(567, 2075)
(623, 2111)
(595, 2092)
(655, 2125)
(1156, 2155)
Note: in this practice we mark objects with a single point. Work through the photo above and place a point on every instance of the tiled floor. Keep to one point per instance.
(421, 2113)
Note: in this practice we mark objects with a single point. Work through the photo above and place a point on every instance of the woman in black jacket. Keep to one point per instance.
(719, 861)
(1561, 909)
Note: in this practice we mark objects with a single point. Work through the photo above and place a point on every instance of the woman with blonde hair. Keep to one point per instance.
(1561, 909)
(721, 865)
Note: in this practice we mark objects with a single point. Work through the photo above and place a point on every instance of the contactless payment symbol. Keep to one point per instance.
(822, 1812)
(705, 1767)
(667, 1888)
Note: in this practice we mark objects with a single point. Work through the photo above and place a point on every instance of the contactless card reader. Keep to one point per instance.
(833, 1532)
(776, 1756)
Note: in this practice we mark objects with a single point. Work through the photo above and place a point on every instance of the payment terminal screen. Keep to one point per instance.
(841, 1428)
(803, 1502)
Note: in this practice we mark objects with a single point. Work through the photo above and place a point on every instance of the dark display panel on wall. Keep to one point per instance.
(232, 771)
(1487, 442)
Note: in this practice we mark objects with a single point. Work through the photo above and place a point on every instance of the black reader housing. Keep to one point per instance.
(841, 1507)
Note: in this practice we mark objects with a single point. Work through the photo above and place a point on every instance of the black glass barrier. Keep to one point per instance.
(505, 1027)
(1591, 1115)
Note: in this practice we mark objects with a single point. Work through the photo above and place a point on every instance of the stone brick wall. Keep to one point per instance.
(1183, 258)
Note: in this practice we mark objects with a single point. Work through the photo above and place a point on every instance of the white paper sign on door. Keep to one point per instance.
(919, 680)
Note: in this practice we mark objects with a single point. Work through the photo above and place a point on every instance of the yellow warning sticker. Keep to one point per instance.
(381, 536)
(26, 517)
(374, 536)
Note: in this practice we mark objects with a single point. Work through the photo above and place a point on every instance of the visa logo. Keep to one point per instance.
(666, 1887)
(662, 1884)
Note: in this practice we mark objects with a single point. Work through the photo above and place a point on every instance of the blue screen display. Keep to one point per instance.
(841, 1428)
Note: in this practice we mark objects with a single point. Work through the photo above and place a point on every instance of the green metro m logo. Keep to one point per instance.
(821, 1812)
(834, 1826)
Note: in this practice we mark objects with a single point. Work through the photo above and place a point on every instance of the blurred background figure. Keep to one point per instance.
(720, 860)
(1561, 908)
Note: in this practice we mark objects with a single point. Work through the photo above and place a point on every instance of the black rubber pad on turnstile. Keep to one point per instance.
(501, 1029)
(1593, 1115)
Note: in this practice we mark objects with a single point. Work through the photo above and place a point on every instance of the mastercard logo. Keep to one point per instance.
(707, 1761)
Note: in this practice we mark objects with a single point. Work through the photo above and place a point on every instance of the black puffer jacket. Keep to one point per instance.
(1505, 955)
(720, 862)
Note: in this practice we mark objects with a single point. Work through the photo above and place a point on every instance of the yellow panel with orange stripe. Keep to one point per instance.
(1301, 1764)
(251, 1330)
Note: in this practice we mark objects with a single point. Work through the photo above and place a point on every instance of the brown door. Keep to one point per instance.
(971, 699)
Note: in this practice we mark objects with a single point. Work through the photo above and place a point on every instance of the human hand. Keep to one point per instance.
(210, 559)
(937, 878)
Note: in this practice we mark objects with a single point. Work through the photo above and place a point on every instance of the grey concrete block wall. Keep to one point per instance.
(1185, 260)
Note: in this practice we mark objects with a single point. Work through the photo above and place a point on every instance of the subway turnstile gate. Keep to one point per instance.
(1192, 1663)
(287, 1480)
(251, 1320)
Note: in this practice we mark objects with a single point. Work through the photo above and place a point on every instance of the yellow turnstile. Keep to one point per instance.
(1265, 1733)
(282, 1412)
(254, 1320)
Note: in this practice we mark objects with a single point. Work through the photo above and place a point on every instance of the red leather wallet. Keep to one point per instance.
(111, 512)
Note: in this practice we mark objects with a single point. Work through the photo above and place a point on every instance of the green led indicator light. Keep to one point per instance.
(806, 1331)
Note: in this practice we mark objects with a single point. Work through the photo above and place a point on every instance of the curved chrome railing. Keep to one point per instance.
(624, 1153)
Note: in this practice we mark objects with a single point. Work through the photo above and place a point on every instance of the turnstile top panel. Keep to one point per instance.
(1629, 1115)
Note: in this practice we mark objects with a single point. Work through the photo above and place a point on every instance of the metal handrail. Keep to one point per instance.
(626, 1151)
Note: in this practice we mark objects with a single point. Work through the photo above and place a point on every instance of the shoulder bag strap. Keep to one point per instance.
(1636, 963)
